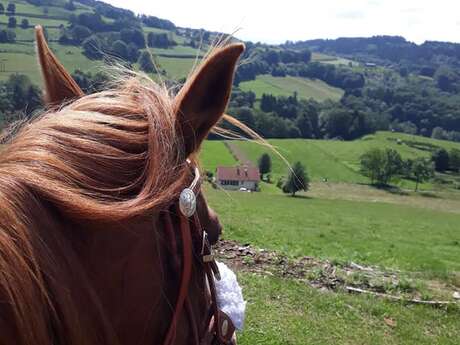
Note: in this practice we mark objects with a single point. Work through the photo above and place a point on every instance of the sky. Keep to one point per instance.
(281, 20)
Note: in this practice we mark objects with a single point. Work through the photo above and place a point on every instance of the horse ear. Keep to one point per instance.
(59, 85)
(202, 100)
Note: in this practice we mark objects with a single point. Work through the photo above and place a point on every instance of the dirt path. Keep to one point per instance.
(238, 154)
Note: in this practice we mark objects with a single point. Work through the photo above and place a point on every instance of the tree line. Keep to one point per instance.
(382, 166)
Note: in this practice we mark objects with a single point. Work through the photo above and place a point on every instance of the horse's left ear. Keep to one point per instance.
(59, 85)
(203, 99)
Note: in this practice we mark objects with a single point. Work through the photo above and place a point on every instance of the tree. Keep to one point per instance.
(92, 47)
(422, 170)
(120, 49)
(2, 8)
(24, 23)
(145, 62)
(445, 78)
(441, 160)
(393, 165)
(133, 53)
(7, 36)
(70, 6)
(304, 124)
(381, 166)
(159, 40)
(371, 164)
(12, 22)
(265, 164)
(135, 36)
(438, 133)
(80, 33)
(22, 94)
(297, 180)
(454, 160)
(11, 8)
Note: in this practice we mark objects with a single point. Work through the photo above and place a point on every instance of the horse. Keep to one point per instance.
(105, 237)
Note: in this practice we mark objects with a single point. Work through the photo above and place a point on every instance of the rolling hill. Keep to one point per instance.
(286, 86)
(336, 161)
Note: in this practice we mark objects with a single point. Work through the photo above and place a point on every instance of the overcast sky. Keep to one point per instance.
(281, 20)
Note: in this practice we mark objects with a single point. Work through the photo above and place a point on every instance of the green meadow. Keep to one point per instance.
(338, 161)
(344, 220)
(286, 86)
(282, 311)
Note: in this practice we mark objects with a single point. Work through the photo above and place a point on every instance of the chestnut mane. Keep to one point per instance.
(102, 158)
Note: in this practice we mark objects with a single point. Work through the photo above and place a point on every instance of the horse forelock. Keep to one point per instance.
(110, 155)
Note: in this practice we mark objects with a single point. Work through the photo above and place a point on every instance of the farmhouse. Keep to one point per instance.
(235, 178)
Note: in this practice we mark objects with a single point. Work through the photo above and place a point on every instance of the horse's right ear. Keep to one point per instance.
(59, 85)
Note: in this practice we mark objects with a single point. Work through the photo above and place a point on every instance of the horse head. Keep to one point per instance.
(95, 246)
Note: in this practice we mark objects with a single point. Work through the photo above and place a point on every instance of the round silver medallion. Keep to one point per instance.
(224, 328)
(187, 202)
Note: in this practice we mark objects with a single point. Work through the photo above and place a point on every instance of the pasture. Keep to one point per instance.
(338, 161)
(286, 86)
(415, 234)
(330, 59)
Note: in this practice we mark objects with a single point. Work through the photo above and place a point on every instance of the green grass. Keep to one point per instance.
(281, 311)
(330, 59)
(286, 86)
(176, 68)
(20, 58)
(320, 163)
(213, 149)
(338, 161)
(178, 50)
(29, 33)
(390, 235)
(398, 234)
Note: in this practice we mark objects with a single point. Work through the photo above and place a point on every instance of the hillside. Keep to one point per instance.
(305, 88)
(320, 89)
(336, 161)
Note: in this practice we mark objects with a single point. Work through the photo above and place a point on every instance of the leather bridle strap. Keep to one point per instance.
(185, 278)
(218, 324)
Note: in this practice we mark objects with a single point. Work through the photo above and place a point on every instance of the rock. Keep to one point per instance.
(456, 295)
(390, 322)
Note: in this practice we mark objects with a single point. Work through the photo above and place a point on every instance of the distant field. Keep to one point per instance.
(213, 154)
(286, 86)
(338, 161)
(177, 68)
(330, 59)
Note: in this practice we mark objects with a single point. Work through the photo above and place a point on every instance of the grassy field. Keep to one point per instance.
(330, 59)
(286, 86)
(417, 240)
(281, 311)
(213, 149)
(343, 223)
(338, 161)
(176, 68)
(20, 58)
(414, 234)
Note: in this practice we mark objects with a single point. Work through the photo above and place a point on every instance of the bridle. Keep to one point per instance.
(217, 328)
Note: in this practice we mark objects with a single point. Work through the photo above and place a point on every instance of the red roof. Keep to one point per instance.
(240, 173)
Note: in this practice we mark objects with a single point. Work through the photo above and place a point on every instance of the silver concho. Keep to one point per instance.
(187, 202)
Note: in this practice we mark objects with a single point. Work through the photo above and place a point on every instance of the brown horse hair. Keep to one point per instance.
(106, 157)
